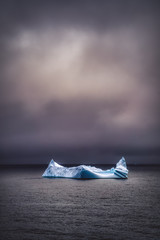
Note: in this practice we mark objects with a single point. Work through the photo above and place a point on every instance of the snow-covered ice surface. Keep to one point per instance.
(54, 170)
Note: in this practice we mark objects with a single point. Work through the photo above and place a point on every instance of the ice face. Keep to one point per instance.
(54, 170)
(121, 168)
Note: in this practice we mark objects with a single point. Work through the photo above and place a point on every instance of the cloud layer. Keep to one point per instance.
(79, 75)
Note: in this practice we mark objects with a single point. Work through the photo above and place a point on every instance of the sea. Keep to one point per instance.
(36, 208)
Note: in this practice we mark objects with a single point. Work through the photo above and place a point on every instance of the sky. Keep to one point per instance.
(79, 81)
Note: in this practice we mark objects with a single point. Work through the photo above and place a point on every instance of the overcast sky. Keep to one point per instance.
(79, 79)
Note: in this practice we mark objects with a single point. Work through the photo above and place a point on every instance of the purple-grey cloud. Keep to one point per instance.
(79, 74)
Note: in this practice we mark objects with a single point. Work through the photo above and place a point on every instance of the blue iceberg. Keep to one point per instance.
(54, 170)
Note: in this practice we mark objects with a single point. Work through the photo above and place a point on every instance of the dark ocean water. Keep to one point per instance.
(34, 208)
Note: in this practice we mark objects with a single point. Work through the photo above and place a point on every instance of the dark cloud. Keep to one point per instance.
(71, 117)
(16, 15)
(79, 77)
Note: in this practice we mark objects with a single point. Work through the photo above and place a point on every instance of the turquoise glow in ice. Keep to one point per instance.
(54, 170)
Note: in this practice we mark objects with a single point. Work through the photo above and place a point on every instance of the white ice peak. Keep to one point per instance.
(54, 170)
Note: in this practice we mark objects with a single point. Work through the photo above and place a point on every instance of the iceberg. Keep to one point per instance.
(54, 170)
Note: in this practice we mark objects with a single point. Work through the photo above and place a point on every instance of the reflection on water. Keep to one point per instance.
(33, 207)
